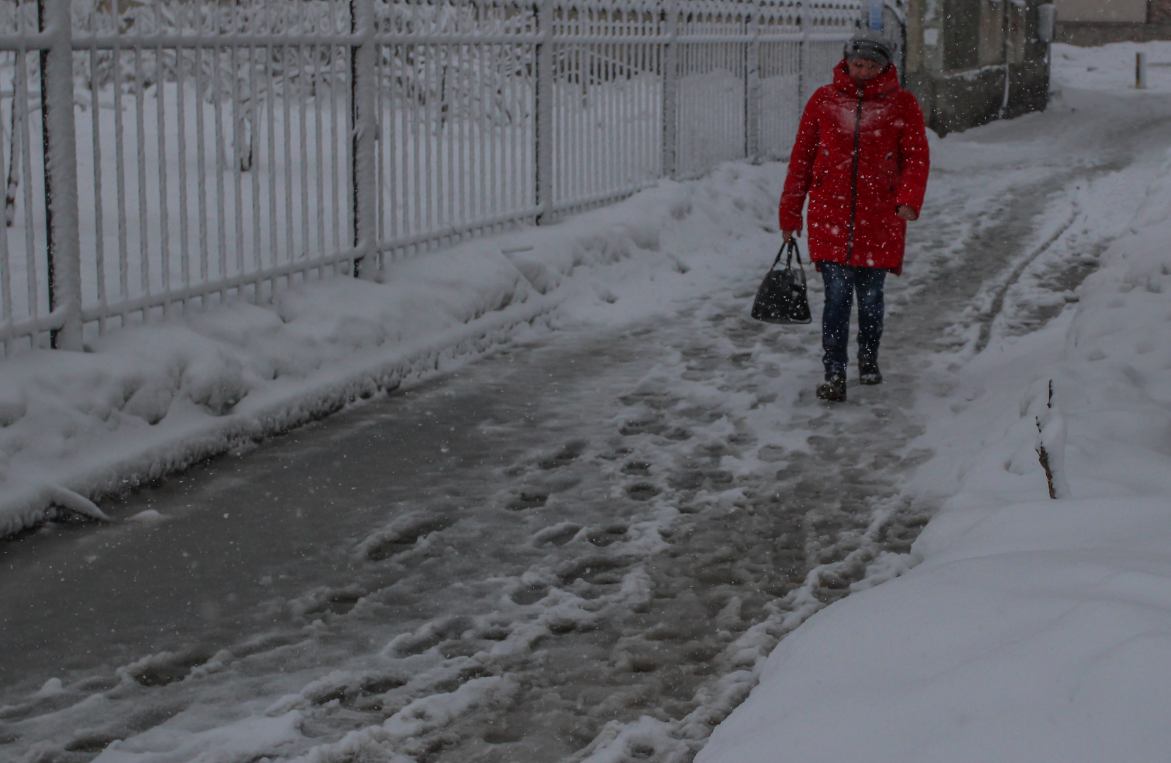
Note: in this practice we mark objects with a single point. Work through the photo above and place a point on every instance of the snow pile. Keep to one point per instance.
(246, 740)
(1031, 628)
(144, 401)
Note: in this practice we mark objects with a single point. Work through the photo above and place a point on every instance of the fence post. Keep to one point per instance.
(670, 62)
(752, 90)
(544, 108)
(803, 72)
(60, 149)
(364, 126)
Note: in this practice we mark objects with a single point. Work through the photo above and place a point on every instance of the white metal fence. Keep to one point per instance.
(168, 155)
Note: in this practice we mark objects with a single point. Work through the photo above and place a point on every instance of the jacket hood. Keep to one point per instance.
(880, 85)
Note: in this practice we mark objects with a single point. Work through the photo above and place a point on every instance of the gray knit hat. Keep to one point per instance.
(871, 45)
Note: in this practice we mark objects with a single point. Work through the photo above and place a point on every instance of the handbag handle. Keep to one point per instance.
(791, 247)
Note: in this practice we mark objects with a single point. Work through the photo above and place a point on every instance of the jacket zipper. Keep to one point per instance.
(854, 182)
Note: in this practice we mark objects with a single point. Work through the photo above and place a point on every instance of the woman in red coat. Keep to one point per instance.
(861, 157)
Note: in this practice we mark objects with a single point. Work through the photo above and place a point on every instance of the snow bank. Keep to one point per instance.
(143, 401)
(1031, 629)
(1111, 67)
(244, 740)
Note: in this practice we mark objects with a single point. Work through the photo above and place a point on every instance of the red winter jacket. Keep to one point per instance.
(859, 154)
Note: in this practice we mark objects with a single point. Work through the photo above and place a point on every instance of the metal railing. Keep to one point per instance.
(193, 151)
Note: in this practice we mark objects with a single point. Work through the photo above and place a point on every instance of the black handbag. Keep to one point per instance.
(782, 297)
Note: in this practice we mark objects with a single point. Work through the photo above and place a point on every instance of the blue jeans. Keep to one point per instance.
(841, 281)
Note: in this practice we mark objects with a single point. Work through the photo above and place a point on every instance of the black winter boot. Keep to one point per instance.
(868, 372)
(833, 388)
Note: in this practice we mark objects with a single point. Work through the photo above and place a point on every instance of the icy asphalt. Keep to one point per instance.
(521, 560)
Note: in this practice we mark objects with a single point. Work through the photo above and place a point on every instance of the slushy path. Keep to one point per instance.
(528, 556)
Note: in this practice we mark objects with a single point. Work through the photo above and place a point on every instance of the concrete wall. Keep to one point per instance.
(956, 53)
(956, 102)
(1078, 23)
(1088, 35)
(1133, 11)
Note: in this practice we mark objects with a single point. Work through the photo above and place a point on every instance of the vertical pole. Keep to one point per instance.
(1140, 70)
(803, 72)
(1003, 114)
(59, 142)
(544, 107)
(364, 130)
(670, 63)
(752, 90)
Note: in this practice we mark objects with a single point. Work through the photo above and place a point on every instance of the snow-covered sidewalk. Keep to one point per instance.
(1020, 628)
(544, 552)
(146, 401)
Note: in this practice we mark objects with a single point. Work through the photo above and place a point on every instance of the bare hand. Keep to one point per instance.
(788, 234)
(907, 213)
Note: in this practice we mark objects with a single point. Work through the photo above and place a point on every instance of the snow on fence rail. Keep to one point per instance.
(193, 151)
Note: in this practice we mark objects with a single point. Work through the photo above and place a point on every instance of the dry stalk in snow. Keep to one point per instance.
(1051, 447)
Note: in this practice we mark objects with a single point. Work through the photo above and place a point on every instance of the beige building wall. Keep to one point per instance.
(991, 33)
(1102, 10)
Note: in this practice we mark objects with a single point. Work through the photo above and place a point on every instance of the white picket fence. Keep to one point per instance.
(165, 156)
